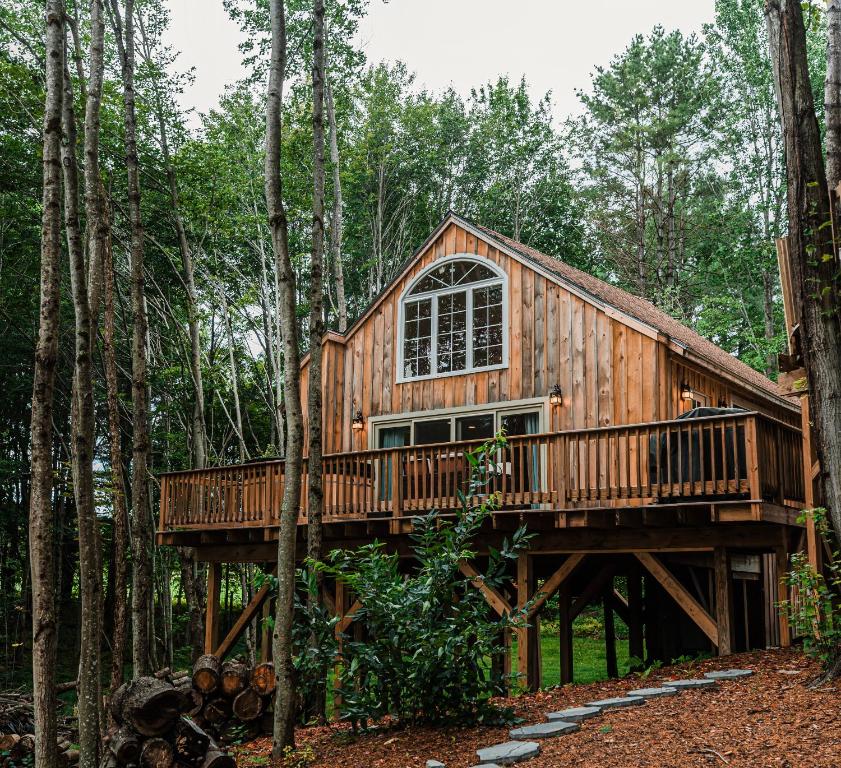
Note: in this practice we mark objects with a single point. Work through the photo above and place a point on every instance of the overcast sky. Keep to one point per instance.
(463, 43)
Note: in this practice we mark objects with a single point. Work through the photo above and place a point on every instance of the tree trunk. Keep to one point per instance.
(226, 316)
(199, 431)
(832, 93)
(284, 734)
(193, 594)
(82, 405)
(119, 567)
(141, 543)
(336, 218)
(148, 705)
(41, 523)
(814, 260)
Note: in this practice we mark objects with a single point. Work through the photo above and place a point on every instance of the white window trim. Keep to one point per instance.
(501, 278)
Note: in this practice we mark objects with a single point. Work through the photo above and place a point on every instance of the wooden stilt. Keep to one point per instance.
(211, 617)
(781, 553)
(636, 647)
(610, 633)
(528, 659)
(565, 634)
(723, 601)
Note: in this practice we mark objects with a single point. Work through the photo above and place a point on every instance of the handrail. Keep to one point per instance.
(744, 455)
(509, 438)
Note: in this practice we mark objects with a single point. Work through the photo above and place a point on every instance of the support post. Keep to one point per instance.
(211, 617)
(528, 658)
(565, 634)
(341, 605)
(723, 601)
(609, 633)
(781, 553)
(636, 646)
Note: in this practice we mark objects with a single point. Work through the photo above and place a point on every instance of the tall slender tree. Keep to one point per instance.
(141, 542)
(284, 709)
(41, 520)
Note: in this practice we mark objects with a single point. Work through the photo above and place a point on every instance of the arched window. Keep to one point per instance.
(453, 319)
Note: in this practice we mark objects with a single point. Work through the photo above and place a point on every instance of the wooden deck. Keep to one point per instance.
(736, 468)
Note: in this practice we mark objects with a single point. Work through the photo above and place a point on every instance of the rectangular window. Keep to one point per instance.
(417, 338)
(487, 326)
(432, 431)
(478, 427)
(452, 332)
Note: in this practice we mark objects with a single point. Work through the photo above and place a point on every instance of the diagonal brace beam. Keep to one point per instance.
(554, 582)
(245, 618)
(493, 596)
(680, 594)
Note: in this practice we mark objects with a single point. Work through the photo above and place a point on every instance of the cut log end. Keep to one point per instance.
(156, 753)
(248, 705)
(263, 678)
(206, 677)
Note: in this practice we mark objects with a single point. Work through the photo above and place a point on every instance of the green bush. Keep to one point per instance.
(815, 612)
(427, 635)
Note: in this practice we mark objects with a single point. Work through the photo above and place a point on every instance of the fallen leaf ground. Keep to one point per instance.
(770, 719)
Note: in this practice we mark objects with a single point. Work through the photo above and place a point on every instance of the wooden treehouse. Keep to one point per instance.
(611, 458)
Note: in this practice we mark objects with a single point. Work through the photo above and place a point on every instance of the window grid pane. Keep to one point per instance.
(452, 332)
(417, 338)
(487, 326)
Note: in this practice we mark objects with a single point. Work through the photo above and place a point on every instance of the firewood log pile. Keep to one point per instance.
(154, 728)
(231, 700)
(17, 726)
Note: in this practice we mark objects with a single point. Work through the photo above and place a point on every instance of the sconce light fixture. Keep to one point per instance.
(358, 421)
(686, 391)
(556, 396)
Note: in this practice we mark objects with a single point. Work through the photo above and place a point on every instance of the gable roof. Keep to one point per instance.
(598, 291)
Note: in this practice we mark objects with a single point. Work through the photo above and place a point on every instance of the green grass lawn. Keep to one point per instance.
(588, 652)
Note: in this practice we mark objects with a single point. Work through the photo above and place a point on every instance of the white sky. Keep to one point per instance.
(463, 43)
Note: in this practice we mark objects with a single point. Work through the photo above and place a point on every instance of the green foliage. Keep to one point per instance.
(427, 635)
(814, 610)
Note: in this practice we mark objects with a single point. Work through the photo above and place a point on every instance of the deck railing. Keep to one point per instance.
(745, 455)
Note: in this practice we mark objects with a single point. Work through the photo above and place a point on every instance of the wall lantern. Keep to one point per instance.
(686, 392)
(556, 396)
(358, 421)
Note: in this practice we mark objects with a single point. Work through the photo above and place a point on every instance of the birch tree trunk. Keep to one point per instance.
(336, 218)
(814, 260)
(226, 316)
(119, 568)
(199, 430)
(141, 543)
(41, 518)
(284, 708)
(82, 408)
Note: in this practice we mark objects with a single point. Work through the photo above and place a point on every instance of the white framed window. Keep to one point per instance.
(453, 319)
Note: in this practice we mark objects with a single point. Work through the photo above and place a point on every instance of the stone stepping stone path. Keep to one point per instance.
(617, 703)
(508, 753)
(728, 674)
(703, 682)
(544, 730)
(574, 714)
(654, 693)
(567, 720)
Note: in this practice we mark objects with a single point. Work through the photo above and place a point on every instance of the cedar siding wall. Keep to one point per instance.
(609, 372)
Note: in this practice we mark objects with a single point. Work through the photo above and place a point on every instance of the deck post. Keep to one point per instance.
(528, 638)
(609, 632)
(211, 617)
(723, 601)
(565, 634)
(781, 553)
(636, 647)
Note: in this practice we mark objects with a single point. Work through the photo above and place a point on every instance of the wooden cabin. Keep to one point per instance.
(479, 333)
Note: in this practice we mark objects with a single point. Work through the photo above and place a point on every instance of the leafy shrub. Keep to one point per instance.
(428, 635)
(815, 611)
